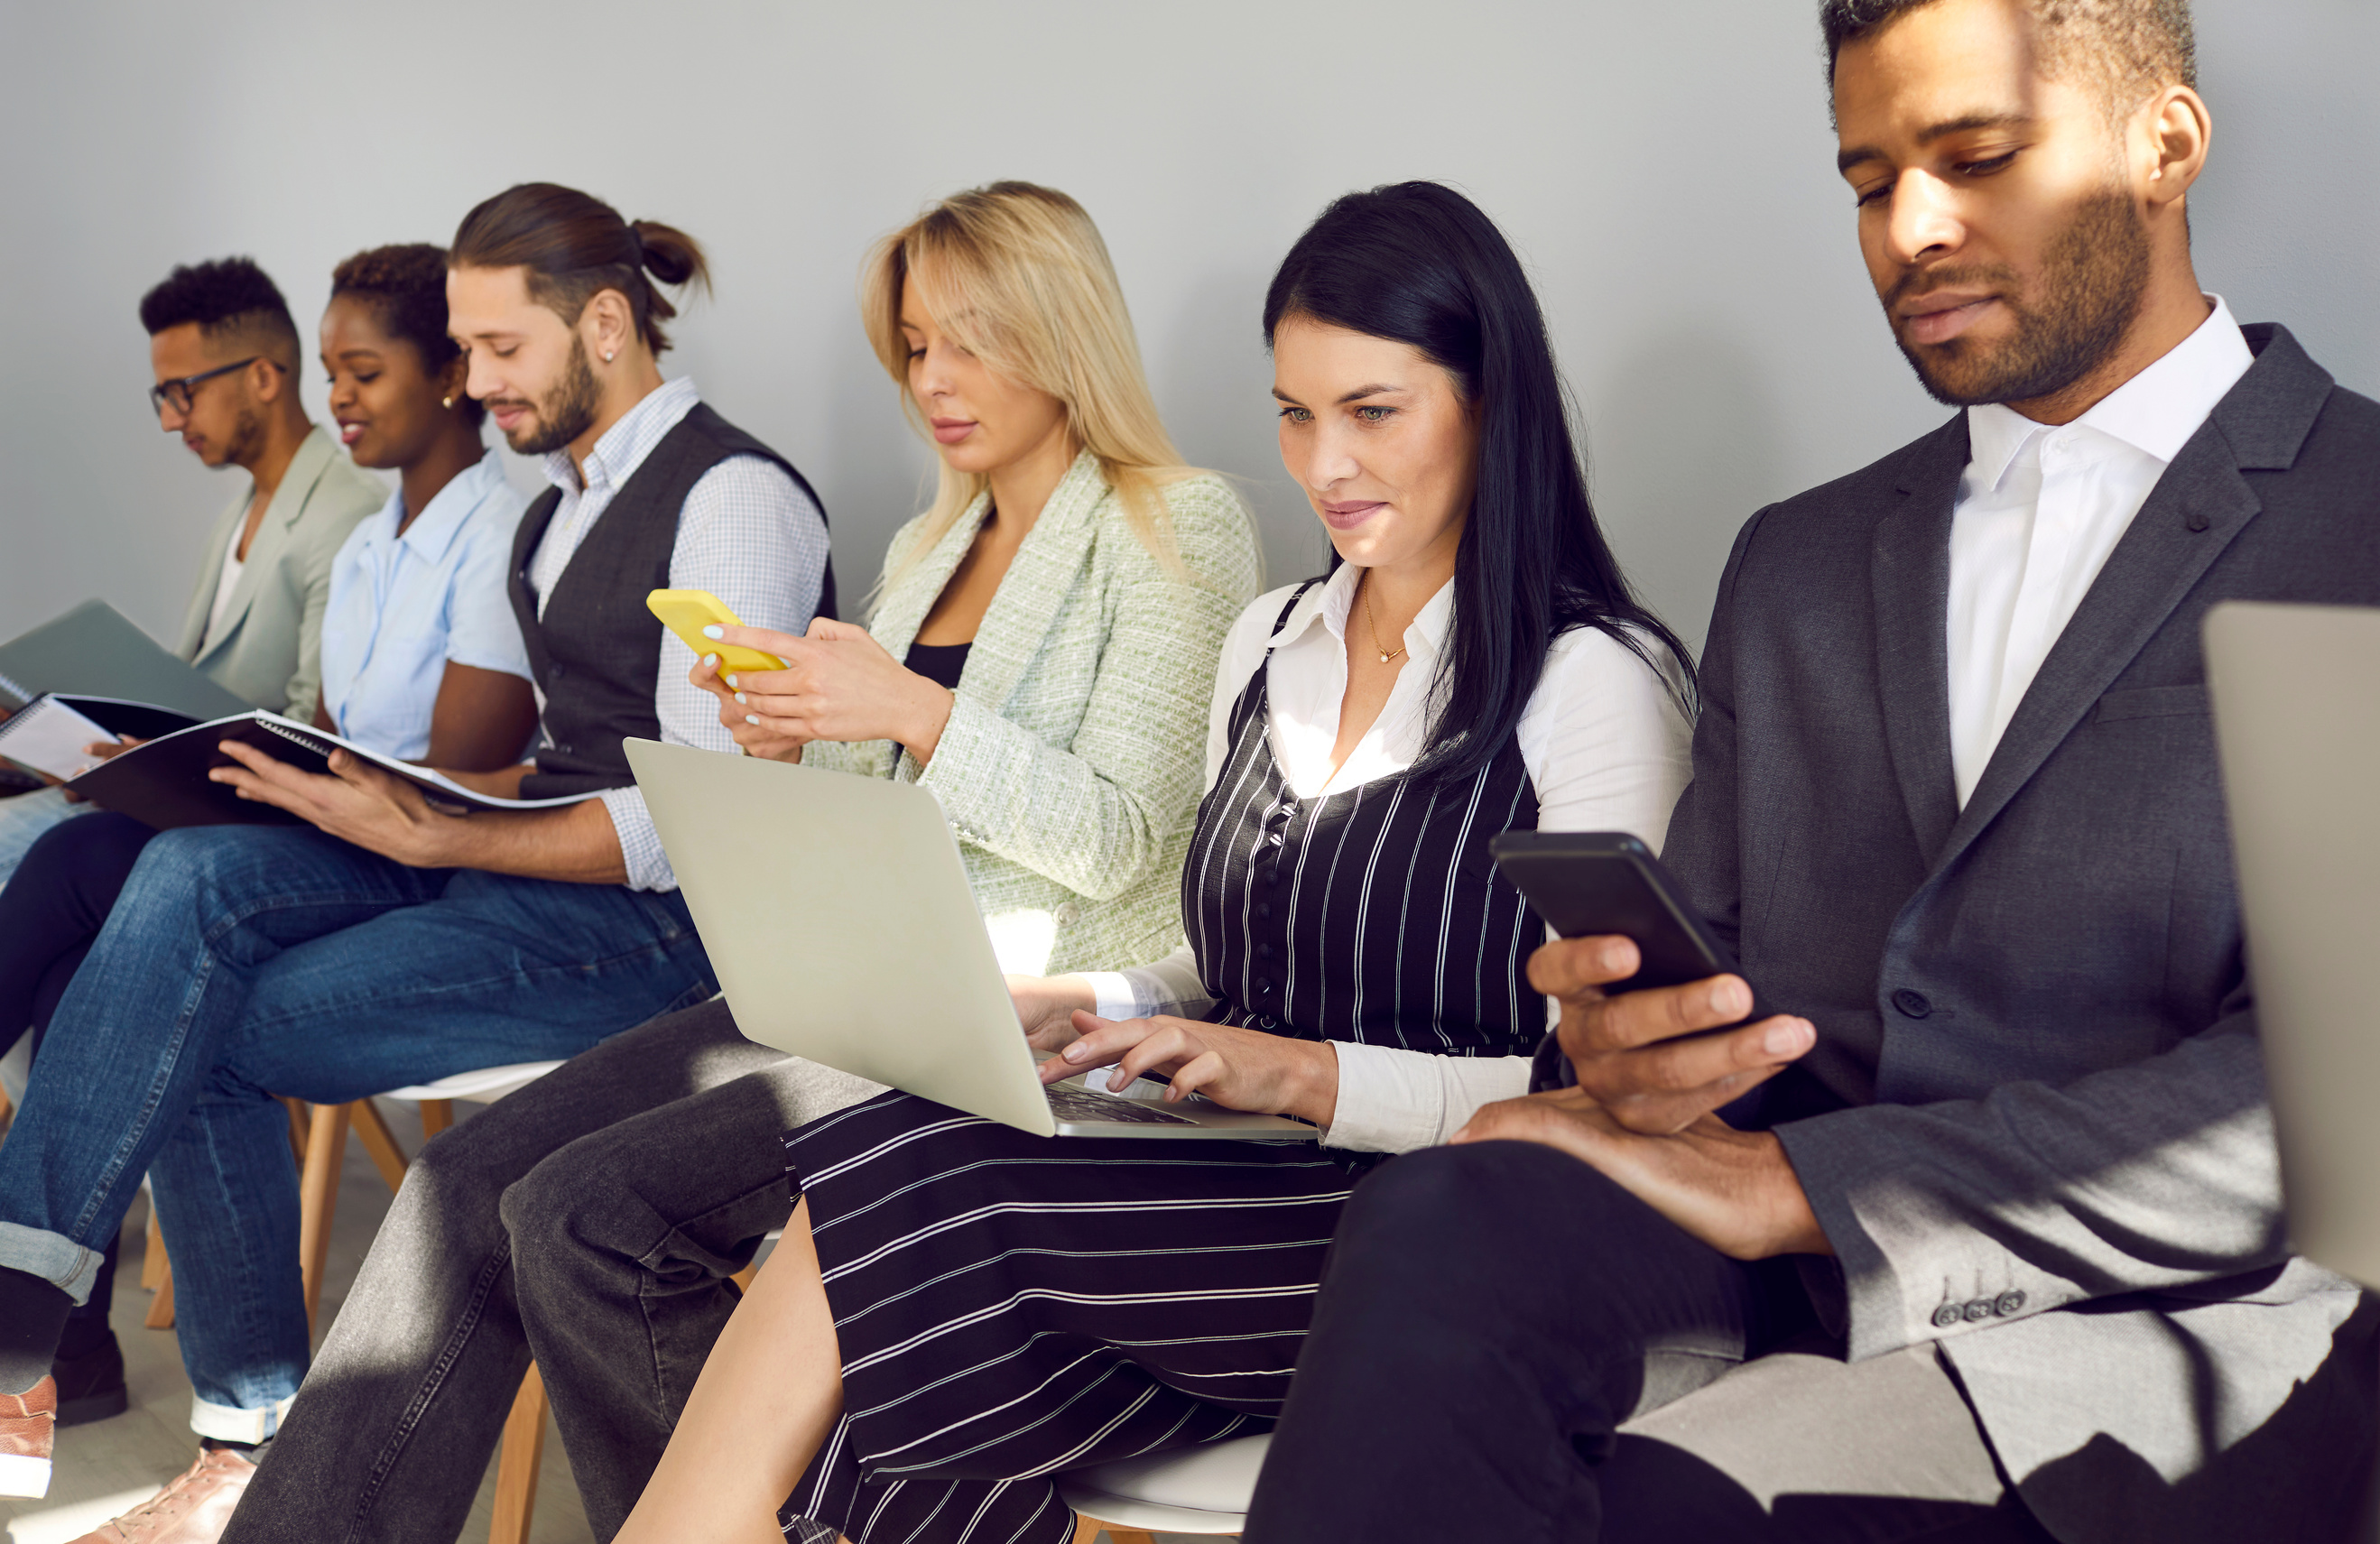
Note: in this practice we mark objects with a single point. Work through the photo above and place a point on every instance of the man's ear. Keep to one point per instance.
(608, 325)
(2176, 131)
(266, 378)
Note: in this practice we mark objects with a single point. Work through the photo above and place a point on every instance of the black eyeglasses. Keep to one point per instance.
(176, 393)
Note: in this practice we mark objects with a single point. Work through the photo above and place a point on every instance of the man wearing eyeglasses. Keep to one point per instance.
(227, 356)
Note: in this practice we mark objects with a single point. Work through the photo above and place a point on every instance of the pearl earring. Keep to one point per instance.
(447, 402)
(607, 355)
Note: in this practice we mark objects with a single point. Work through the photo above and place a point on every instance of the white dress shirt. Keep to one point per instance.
(746, 533)
(402, 608)
(2039, 509)
(1607, 748)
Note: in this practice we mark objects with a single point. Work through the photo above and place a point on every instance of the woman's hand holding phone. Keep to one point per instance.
(838, 683)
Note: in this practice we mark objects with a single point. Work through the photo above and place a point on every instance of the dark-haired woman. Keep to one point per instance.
(422, 659)
(959, 1310)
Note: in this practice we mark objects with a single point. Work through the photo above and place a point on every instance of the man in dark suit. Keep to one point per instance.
(1996, 1251)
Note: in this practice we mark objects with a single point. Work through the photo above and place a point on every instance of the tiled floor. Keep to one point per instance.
(110, 1465)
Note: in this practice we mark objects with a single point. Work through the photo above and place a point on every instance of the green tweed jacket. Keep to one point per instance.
(1072, 764)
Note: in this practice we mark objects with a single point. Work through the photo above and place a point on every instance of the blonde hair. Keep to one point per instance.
(1017, 275)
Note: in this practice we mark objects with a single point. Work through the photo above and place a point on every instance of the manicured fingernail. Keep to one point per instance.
(1730, 997)
(752, 719)
(1784, 1040)
(730, 683)
(715, 630)
(739, 697)
(1075, 1051)
(1610, 957)
(709, 659)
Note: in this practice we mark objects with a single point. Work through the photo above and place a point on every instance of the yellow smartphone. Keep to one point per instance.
(687, 611)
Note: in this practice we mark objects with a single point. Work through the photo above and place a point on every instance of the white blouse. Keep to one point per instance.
(1607, 748)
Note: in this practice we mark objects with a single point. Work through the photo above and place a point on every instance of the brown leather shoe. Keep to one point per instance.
(195, 1509)
(29, 1425)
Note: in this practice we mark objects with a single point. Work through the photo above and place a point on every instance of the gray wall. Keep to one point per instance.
(1665, 169)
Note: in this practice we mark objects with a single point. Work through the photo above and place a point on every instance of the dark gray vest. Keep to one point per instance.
(596, 653)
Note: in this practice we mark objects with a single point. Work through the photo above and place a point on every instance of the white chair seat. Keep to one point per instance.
(1201, 1490)
(481, 1086)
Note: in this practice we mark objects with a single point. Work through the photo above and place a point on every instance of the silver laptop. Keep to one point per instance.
(2296, 695)
(837, 916)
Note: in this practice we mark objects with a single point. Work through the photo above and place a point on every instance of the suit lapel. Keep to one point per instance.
(903, 608)
(1040, 576)
(2200, 504)
(306, 469)
(1909, 570)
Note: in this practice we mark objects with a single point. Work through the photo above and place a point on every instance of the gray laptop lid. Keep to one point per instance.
(837, 915)
(2296, 693)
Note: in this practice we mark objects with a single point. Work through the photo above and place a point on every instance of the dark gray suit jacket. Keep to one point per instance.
(2035, 1126)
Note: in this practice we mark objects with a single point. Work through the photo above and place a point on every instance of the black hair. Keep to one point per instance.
(406, 286)
(2120, 44)
(1417, 262)
(226, 296)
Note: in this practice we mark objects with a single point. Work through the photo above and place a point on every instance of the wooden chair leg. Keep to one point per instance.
(1088, 1531)
(157, 1275)
(318, 1196)
(373, 1131)
(518, 1460)
(153, 1254)
(743, 1279)
(437, 1114)
(298, 1118)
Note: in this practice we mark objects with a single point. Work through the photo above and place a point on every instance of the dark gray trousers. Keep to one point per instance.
(590, 1220)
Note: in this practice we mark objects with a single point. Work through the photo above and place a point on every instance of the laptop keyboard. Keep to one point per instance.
(1081, 1104)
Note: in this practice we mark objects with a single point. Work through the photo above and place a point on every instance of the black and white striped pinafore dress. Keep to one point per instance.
(1009, 1306)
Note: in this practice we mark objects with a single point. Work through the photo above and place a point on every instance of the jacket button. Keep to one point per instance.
(566, 750)
(1948, 1315)
(1263, 984)
(1978, 1310)
(2008, 1302)
(1911, 1004)
(1264, 951)
(1264, 911)
(1067, 914)
(2197, 521)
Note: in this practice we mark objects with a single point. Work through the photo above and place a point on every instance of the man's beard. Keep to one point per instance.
(2094, 278)
(247, 441)
(567, 411)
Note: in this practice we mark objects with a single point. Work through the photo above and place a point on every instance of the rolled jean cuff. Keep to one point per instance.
(228, 1423)
(54, 1257)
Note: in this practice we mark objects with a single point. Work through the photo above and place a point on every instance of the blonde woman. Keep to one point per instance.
(1041, 652)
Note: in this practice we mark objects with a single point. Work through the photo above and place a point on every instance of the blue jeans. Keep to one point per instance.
(244, 962)
(24, 818)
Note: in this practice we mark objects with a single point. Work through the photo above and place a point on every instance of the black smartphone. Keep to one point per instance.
(1592, 882)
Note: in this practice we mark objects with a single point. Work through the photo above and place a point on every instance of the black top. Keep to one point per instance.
(940, 662)
(596, 653)
(1374, 914)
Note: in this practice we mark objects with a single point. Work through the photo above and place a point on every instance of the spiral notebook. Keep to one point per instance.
(163, 783)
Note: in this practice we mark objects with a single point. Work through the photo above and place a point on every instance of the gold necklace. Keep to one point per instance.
(1374, 622)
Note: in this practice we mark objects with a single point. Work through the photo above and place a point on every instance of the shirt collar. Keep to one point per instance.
(2155, 412)
(625, 446)
(1329, 604)
(434, 530)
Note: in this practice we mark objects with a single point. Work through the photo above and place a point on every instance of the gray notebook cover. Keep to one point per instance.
(94, 650)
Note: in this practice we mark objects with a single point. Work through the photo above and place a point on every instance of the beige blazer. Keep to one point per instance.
(1072, 764)
(270, 650)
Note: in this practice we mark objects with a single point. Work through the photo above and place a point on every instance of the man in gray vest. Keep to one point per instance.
(381, 943)
(1996, 1253)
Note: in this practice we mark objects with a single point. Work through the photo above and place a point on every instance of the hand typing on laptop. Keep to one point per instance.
(1239, 1069)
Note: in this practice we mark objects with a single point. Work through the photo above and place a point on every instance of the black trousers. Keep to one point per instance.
(1509, 1346)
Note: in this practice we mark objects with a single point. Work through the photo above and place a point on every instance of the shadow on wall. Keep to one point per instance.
(1683, 445)
(1216, 393)
(885, 474)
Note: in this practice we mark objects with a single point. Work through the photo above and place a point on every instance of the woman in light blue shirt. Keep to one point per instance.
(422, 659)
(422, 656)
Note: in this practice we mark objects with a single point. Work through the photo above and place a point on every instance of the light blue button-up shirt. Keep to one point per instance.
(402, 608)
